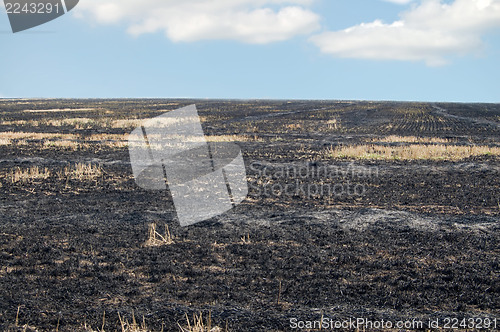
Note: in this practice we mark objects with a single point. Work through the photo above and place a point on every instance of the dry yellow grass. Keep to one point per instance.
(411, 152)
(231, 138)
(245, 239)
(334, 124)
(18, 122)
(33, 135)
(293, 126)
(5, 141)
(61, 110)
(126, 123)
(157, 239)
(28, 174)
(77, 123)
(125, 325)
(21, 142)
(67, 144)
(198, 325)
(56, 140)
(102, 137)
(67, 141)
(109, 140)
(74, 145)
(133, 326)
(79, 171)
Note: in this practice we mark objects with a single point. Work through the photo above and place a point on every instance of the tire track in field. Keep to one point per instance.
(443, 112)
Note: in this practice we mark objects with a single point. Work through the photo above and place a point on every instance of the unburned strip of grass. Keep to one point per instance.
(410, 152)
(79, 171)
(63, 141)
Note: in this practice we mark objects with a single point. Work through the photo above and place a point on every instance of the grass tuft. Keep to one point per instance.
(5, 141)
(157, 239)
(199, 325)
(28, 174)
(133, 326)
(245, 239)
(81, 172)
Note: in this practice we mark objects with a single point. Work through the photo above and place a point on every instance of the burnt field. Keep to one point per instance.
(375, 210)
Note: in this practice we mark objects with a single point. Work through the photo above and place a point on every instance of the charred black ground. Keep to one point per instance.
(420, 242)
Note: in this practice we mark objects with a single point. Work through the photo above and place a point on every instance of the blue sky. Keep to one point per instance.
(427, 50)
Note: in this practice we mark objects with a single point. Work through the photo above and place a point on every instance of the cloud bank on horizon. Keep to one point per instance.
(427, 30)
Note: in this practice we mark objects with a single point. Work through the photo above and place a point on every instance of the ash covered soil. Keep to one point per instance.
(401, 240)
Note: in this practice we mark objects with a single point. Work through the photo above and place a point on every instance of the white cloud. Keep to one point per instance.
(250, 21)
(429, 32)
(399, 2)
